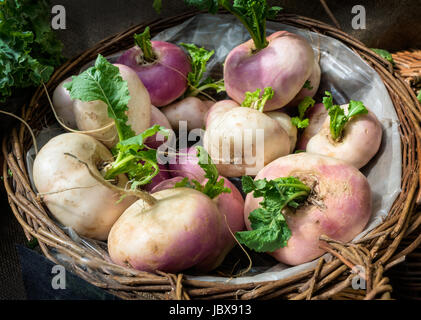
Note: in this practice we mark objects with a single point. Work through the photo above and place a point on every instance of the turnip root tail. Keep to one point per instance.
(26, 125)
(111, 124)
(145, 196)
(240, 274)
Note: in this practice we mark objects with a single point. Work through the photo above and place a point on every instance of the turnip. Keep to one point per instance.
(316, 116)
(350, 133)
(282, 61)
(93, 116)
(162, 67)
(176, 233)
(63, 105)
(208, 103)
(184, 228)
(284, 64)
(167, 184)
(192, 171)
(296, 199)
(191, 109)
(242, 140)
(231, 206)
(72, 195)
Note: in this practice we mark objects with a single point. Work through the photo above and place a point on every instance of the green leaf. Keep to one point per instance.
(29, 49)
(419, 96)
(300, 122)
(199, 57)
(213, 186)
(328, 100)
(384, 54)
(185, 183)
(157, 5)
(266, 238)
(140, 138)
(270, 230)
(135, 159)
(307, 85)
(104, 82)
(251, 13)
(255, 101)
(338, 119)
(355, 108)
(143, 41)
(210, 5)
(247, 184)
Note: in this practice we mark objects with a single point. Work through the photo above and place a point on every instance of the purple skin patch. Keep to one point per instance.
(284, 65)
(166, 78)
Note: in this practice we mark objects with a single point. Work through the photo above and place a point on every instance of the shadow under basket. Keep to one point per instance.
(376, 252)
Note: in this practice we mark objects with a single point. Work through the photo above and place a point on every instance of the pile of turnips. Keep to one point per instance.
(299, 168)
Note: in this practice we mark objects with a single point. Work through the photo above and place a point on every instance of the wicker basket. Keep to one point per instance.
(376, 252)
(406, 277)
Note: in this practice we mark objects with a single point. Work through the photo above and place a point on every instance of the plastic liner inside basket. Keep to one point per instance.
(344, 74)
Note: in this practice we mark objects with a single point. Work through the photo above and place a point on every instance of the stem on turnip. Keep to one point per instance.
(145, 196)
(259, 43)
(143, 41)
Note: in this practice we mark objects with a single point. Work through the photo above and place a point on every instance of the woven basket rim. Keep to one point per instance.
(376, 251)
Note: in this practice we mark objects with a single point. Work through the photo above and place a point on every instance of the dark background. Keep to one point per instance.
(392, 25)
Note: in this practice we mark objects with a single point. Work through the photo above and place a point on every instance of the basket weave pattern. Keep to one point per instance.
(376, 252)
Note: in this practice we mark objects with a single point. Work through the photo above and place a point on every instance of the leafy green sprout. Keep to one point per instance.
(199, 58)
(257, 100)
(300, 121)
(338, 118)
(213, 186)
(270, 230)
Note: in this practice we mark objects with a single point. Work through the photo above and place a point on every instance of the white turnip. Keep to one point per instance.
(93, 115)
(356, 141)
(72, 195)
(176, 233)
(230, 205)
(242, 140)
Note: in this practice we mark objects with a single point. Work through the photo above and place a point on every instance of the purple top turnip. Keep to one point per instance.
(162, 67)
(339, 205)
(283, 61)
(284, 65)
